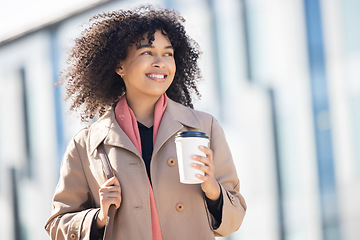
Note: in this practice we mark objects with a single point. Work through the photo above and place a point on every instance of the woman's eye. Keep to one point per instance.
(146, 53)
(169, 54)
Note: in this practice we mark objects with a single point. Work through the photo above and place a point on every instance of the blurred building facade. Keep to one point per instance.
(281, 76)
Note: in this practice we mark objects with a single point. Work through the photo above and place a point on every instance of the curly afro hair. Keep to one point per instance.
(92, 84)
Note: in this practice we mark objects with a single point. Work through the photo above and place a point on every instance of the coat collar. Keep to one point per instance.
(107, 130)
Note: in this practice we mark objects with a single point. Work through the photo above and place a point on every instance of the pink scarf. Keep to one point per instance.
(127, 121)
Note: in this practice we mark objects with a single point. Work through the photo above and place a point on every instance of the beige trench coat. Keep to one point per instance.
(182, 209)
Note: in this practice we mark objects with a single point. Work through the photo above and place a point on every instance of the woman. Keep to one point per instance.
(137, 70)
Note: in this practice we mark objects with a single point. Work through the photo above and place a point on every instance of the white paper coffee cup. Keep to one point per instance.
(187, 145)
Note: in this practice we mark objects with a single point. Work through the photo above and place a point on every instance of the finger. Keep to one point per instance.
(112, 181)
(104, 193)
(206, 161)
(106, 199)
(207, 151)
(202, 159)
(116, 181)
(111, 188)
(207, 170)
(204, 178)
(107, 194)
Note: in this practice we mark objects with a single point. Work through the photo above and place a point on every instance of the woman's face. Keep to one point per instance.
(148, 70)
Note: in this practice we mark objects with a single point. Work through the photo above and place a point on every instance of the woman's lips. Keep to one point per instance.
(157, 76)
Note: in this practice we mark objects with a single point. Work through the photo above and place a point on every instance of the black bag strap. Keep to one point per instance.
(109, 173)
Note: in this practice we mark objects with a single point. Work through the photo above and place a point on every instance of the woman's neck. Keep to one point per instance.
(143, 110)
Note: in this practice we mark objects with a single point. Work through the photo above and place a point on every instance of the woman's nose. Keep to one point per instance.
(158, 62)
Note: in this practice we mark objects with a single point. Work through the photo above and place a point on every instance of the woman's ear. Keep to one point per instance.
(120, 70)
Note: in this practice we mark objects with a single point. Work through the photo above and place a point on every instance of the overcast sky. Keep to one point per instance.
(19, 15)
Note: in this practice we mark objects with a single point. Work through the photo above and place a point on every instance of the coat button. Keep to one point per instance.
(179, 207)
(171, 162)
(73, 236)
(232, 199)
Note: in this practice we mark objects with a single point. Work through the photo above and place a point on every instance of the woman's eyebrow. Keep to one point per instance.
(144, 46)
(151, 46)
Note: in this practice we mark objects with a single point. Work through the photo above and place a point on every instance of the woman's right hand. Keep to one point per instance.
(109, 193)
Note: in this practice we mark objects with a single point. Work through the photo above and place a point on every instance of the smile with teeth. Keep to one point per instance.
(156, 76)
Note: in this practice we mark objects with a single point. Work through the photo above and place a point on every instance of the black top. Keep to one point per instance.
(147, 147)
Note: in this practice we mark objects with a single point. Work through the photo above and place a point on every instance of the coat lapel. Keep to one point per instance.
(108, 130)
(175, 117)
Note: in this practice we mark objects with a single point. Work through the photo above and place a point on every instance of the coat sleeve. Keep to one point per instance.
(72, 211)
(234, 206)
